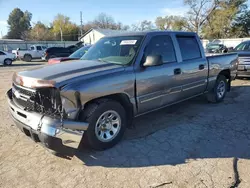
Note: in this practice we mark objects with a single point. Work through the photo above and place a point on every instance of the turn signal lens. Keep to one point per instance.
(32, 82)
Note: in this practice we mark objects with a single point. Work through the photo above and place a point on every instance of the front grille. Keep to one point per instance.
(45, 100)
(23, 91)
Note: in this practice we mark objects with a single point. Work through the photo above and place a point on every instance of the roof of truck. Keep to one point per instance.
(143, 33)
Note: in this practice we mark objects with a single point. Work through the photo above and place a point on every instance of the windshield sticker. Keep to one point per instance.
(128, 42)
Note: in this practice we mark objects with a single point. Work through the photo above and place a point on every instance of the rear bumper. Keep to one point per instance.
(47, 130)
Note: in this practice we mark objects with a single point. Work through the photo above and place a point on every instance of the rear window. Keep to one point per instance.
(189, 47)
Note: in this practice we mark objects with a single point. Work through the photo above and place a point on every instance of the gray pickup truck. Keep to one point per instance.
(94, 99)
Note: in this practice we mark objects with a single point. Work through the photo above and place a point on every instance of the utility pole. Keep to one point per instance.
(81, 23)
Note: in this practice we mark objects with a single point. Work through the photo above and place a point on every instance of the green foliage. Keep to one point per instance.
(227, 20)
(64, 28)
(41, 32)
(176, 23)
(19, 24)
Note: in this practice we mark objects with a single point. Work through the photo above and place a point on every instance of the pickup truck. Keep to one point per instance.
(34, 52)
(92, 100)
(243, 51)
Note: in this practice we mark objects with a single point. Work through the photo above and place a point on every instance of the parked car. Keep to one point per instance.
(216, 48)
(34, 52)
(75, 56)
(6, 58)
(119, 78)
(54, 52)
(243, 50)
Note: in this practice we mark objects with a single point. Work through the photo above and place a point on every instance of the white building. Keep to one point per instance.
(93, 35)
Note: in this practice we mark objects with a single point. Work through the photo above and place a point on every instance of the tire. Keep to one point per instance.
(218, 93)
(95, 114)
(27, 58)
(7, 62)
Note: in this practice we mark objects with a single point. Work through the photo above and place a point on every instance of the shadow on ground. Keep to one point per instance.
(190, 130)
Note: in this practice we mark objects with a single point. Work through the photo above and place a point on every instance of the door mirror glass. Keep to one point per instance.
(153, 60)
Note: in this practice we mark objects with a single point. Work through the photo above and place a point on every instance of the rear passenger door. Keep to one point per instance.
(158, 86)
(193, 65)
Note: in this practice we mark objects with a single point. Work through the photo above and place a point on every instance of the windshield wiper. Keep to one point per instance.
(102, 60)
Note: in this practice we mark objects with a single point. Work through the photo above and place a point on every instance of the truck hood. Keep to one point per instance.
(68, 70)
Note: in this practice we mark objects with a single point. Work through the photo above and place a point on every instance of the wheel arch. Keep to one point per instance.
(122, 98)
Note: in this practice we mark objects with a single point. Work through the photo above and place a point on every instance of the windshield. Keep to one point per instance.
(80, 52)
(117, 50)
(241, 46)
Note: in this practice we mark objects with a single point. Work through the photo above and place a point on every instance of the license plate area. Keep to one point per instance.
(241, 67)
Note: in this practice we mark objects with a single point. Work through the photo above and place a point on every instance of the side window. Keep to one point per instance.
(162, 45)
(39, 48)
(189, 47)
(32, 48)
(2, 53)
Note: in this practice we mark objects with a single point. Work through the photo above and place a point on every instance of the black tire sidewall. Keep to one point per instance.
(220, 78)
(6, 63)
(27, 58)
(90, 136)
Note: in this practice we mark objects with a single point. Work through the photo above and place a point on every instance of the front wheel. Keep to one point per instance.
(8, 62)
(107, 124)
(219, 91)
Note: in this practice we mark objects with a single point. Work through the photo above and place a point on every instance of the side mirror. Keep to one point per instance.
(153, 60)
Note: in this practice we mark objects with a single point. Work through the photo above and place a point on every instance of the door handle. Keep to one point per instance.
(177, 71)
(201, 67)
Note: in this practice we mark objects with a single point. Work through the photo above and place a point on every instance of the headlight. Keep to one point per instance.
(69, 107)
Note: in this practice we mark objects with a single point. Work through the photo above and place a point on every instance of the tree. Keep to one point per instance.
(142, 26)
(63, 26)
(19, 24)
(224, 22)
(176, 23)
(41, 32)
(241, 26)
(104, 21)
(199, 11)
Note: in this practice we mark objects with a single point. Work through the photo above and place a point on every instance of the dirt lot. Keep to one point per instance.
(193, 144)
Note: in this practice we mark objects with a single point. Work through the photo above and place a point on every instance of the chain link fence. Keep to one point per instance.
(8, 46)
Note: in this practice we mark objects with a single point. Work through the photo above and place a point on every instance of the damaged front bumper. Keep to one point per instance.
(55, 134)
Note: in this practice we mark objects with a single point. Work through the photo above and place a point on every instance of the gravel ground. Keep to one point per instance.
(192, 144)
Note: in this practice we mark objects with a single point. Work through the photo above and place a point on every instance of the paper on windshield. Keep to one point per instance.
(128, 42)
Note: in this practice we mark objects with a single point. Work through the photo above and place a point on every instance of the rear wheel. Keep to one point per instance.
(107, 124)
(219, 91)
(27, 58)
(7, 62)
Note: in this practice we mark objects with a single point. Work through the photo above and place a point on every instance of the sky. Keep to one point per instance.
(128, 11)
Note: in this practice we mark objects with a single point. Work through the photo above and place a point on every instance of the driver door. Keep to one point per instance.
(158, 86)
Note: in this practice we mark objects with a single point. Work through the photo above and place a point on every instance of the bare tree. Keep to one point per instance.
(142, 26)
(199, 12)
(104, 21)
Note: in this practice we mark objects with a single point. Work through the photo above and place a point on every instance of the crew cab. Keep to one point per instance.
(94, 100)
(34, 52)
